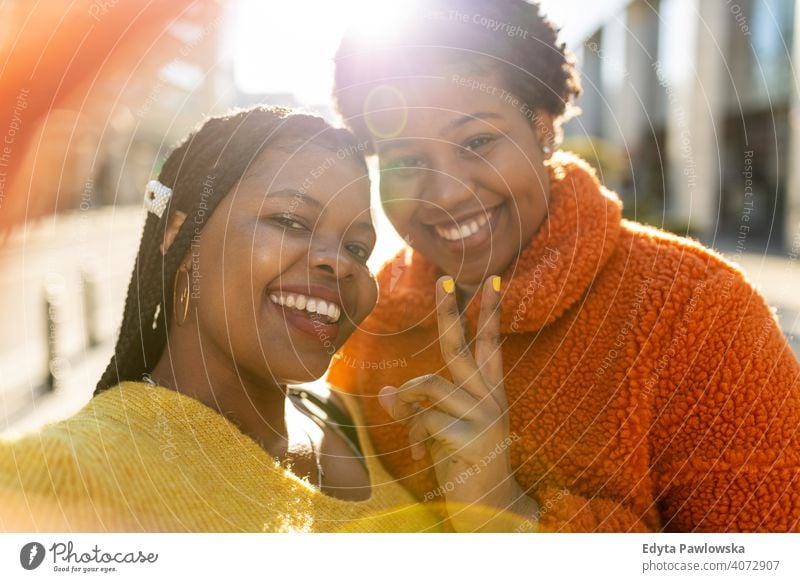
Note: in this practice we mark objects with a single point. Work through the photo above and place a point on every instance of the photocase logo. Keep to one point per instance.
(31, 555)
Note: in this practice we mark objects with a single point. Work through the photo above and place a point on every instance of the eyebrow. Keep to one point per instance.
(395, 143)
(291, 193)
(366, 226)
(472, 117)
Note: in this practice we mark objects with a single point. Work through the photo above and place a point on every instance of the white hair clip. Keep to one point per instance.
(156, 197)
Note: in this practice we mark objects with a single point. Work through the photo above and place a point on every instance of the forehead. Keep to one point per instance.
(426, 105)
(322, 173)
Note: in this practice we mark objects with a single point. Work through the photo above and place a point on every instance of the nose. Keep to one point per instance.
(328, 257)
(449, 187)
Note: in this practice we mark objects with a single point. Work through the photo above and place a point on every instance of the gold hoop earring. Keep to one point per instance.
(184, 298)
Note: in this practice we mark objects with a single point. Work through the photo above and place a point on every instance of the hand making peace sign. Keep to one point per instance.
(466, 427)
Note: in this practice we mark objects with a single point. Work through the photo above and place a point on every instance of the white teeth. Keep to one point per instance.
(309, 304)
(465, 229)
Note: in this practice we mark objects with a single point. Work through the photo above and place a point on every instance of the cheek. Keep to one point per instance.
(513, 168)
(222, 281)
(258, 256)
(523, 178)
(400, 215)
(367, 297)
(207, 267)
(232, 274)
(371, 296)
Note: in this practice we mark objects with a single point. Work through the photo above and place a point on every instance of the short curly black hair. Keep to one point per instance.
(510, 40)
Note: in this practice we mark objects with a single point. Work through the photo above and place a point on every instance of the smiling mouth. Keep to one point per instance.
(467, 227)
(316, 309)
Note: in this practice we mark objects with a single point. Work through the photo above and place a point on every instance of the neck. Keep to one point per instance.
(255, 404)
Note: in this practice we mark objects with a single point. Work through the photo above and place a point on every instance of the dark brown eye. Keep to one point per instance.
(478, 142)
(290, 222)
(404, 163)
(361, 252)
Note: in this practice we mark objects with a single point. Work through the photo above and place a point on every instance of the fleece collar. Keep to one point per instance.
(549, 276)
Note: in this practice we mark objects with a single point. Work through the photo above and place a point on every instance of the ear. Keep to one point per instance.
(175, 223)
(545, 127)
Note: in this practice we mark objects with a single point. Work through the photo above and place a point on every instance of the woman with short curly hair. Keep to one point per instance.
(639, 382)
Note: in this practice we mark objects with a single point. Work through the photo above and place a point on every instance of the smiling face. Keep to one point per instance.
(462, 173)
(279, 277)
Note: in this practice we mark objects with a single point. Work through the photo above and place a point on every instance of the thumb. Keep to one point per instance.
(386, 398)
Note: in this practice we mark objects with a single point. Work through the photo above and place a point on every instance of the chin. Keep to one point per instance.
(307, 370)
(478, 271)
(469, 278)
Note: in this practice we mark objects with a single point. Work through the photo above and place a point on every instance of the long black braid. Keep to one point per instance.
(201, 171)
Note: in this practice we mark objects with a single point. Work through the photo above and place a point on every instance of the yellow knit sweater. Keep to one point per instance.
(145, 458)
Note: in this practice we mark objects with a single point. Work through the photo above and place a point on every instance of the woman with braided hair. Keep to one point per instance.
(251, 272)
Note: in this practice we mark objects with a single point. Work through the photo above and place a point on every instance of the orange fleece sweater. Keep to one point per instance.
(649, 385)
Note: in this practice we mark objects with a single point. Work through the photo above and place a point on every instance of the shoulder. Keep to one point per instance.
(708, 313)
(675, 262)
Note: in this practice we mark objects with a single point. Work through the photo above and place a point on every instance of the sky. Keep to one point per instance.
(268, 33)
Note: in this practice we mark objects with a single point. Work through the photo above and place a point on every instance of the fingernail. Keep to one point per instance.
(449, 285)
(386, 397)
(417, 452)
(496, 284)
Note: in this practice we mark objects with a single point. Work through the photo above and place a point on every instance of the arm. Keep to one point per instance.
(40, 487)
(726, 431)
(560, 511)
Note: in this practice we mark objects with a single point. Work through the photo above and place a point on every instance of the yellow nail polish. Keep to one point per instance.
(449, 285)
(496, 284)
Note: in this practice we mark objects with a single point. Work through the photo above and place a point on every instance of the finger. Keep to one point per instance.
(436, 428)
(454, 348)
(417, 434)
(387, 397)
(488, 353)
(432, 391)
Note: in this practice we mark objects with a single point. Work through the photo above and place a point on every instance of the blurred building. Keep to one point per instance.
(72, 215)
(97, 94)
(691, 111)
